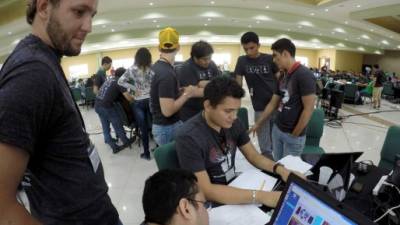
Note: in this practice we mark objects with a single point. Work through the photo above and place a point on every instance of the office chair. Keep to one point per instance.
(166, 157)
(314, 132)
(390, 148)
(76, 94)
(242, 114)
(350, 91)
(90, 97)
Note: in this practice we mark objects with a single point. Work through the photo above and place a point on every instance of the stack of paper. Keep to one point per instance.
(238, 215)
(295, 163)
(254, 180)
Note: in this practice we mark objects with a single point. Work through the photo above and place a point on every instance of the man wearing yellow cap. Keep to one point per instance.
(166, 96)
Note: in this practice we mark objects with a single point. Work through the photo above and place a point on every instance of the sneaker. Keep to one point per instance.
(145, 156)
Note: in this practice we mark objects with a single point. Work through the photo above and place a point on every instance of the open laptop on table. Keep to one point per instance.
(302, 204)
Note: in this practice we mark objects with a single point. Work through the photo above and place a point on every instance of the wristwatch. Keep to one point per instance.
(276, 167)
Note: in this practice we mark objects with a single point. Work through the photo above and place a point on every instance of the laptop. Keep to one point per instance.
(303, 204)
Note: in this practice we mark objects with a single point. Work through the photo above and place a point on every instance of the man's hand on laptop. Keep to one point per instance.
(269, 199)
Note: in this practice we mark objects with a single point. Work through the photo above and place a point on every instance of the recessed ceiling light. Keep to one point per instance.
(267, 7)
(378, 52)
(339, 30)
(299, 26)
(398, 46)
(208, 19)
(9, 33)
(372, 30)
(340, 45)
(158, 26)
(333, 32)
(212, 2)
(205, 24)
(346, 39)
(312, 14)
(361, 48)
(320, 34)
(249, 26)
(385, 42)
(104, 26)
(346, 22)
(257, 21)
(358, 6)
(326, 10)
(112, 30)
(151, 4)
(288, 29)
(358, 38)
(391, 36)
(154, 21)
(365, 36)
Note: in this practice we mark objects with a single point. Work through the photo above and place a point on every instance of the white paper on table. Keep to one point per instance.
(238, 215)
(295, 163)
(253, 180)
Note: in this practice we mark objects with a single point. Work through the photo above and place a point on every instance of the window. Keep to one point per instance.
(179, 58)
(303, 60)
(126, 63)
(222, 60)
(77, 71)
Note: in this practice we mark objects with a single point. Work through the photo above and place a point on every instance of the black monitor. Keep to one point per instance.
(303, 204)
(341, 163)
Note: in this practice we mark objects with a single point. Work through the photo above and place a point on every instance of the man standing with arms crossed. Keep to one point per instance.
(259, 71)
(42, 133)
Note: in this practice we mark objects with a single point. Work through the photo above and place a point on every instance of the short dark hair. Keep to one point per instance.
(284, 44)
(249, 37)
(163, 191)
(143, 58)
(201, 49)
(221, 87)
(31, 9)
(105, 60)
(376, 66)
(118, 72)
(167, 50)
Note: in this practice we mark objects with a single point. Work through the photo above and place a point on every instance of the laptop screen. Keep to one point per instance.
(300, 207)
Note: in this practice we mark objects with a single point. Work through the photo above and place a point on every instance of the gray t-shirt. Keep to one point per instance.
(64, 184)
(199, 147)
(191, 74)
(301, 82)
(163, 85)
(260, 78)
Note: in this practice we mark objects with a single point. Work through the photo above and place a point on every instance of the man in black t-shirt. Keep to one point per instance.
(42, 133)
(206, 145)
(101, 75)
(104, 106)
(260, 73)
(165, 94)
(196, 71)
(295, 102)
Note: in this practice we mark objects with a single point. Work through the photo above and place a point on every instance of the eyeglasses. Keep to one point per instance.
(207, 205)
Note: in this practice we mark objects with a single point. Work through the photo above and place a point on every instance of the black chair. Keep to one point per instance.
(350, 92)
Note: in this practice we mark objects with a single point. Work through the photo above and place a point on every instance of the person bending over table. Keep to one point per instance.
(206, 145)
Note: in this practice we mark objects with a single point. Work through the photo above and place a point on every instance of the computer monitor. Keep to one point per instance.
(303, 204)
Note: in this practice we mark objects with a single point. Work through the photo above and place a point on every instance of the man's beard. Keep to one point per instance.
(59, 38)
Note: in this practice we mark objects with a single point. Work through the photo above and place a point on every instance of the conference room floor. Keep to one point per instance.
(125, 172)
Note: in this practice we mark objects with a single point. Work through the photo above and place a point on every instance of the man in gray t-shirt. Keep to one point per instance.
(259, 71)
(206, 145)
(295, 102)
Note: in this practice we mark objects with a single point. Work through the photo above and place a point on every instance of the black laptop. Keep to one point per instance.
(303, 204)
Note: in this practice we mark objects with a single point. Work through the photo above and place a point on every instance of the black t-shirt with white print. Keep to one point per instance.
(301, 82)
(260, 78)
(199, 147)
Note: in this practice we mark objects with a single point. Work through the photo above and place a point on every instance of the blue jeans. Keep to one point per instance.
(286, 144)
(141, 110)
(107, 116)
(163, 134)
(264, 135)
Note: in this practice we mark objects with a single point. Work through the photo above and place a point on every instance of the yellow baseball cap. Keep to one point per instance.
(168, 38)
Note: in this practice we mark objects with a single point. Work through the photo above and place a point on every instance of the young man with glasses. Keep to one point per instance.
(260, 72)
(172, 197)
(196, 71)
(207, 143)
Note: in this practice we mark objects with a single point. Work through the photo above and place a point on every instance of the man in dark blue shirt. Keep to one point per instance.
(42, 133)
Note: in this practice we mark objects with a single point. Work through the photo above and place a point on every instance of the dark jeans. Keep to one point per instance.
(141, 110)
(107, 116)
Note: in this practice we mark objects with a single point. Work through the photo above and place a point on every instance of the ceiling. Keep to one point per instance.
(338, 24)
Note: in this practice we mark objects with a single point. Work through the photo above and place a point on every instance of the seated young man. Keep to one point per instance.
(206, 145)
(172, 197)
